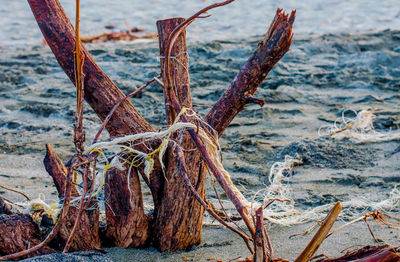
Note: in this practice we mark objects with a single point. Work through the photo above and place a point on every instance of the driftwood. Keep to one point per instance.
(87, 235)
(121, 35)
(179, 209)
(19, 232)
(383, 253)
(269, 51)
(124, 210)
(179, 194)
(178, 226)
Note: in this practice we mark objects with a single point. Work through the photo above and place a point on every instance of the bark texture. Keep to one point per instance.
(19, 232)
(179, 217)
(100, 92)
(127, 224)
(269, 51)
(87, 234)
(179, 66)
(56, 169)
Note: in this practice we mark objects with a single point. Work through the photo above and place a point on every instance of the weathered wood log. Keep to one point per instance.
(100, 91)
(127, 224)
(179, 217)
(87, 234)
(179, 66)
(269, 51)
(56, 169)
(19, 232)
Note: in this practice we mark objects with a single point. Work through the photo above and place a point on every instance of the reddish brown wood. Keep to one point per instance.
(100, 91)
(179, 217)
(87, 233)
(179, 66)
(269, 51)
(127, 224)
(19, 232)
(260, 244)
(56, 169)
(383, 253)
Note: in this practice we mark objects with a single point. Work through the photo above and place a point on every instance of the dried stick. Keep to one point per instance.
(79, 136)
(134, 93)
(56, 228)
(269, 51)
(81, 209)
(320, 236)
(16, 191)
(260, 239)
(182, 168)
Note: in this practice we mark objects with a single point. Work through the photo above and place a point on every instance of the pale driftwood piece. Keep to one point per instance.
(269, 51)
(127, 224)
(19, 232)
(321, 234)
(178, 226)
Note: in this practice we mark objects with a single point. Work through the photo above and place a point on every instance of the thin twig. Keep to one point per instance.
(79, 136)
(182, 167)
(16, 191)
(107, 119)
(80, 211)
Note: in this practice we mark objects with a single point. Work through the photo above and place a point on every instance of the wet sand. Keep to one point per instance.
(318, 78)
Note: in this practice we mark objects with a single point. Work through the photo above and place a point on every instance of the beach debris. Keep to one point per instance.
(366, 254)
(116, 34)
(321, 234)
(359, 129)
(379, 217)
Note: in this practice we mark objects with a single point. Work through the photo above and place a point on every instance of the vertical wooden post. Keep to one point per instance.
(179, 217)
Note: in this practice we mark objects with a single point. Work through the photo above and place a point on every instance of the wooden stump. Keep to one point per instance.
(127, 224)
(19, 232)
(87, 234)
(178, 221)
